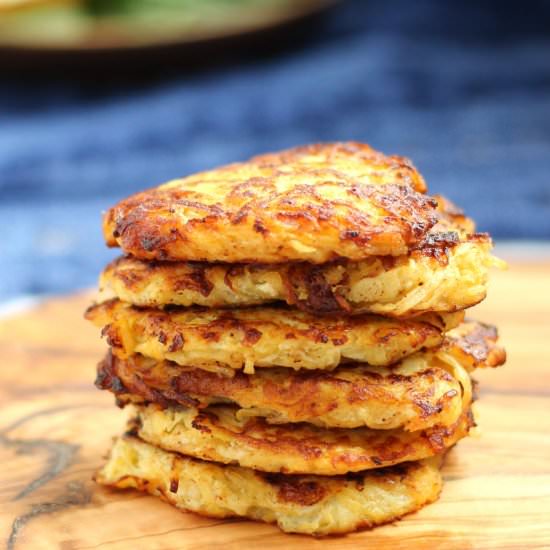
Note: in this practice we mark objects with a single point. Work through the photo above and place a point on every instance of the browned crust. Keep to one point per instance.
(328, 206)
(475, 344)
(304, 492)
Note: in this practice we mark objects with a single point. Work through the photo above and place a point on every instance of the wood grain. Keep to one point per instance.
(55, 427)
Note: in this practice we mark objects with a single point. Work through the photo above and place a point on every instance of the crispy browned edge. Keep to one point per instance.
(477, 343)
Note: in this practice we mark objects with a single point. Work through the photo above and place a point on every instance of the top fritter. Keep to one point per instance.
(315, 203)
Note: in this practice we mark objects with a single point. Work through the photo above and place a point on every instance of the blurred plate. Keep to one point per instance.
(60, 27)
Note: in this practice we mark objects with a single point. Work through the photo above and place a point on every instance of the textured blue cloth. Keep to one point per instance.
(461, 87)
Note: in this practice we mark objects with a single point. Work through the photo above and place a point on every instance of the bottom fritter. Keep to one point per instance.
(298, 504)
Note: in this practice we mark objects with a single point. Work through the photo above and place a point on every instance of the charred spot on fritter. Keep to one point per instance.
(388, 262)
(260, 227)
(133, 427)
(174, 485)
(200, 423)
(320, 337)
(196, 280)
(438, 245)
(295, 490)
(111, 334)
(251, 336)
(349, 234)
(319, 295)
(428, 409)
(404, 204)
(384, 335)
(106, 378)
(129, 277)
(177, 343)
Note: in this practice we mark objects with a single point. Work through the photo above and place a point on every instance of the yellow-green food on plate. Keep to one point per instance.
(104, 24)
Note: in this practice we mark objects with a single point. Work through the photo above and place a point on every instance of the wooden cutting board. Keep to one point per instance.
(55, 427)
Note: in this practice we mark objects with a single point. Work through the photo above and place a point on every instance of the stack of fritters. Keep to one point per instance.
(290, 334)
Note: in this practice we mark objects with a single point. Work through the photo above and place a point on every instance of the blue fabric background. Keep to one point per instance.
(461, 87)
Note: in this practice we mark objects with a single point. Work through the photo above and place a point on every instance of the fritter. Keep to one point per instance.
(315, 203)
(412, 395)
(264, 337)
(397, 287)
(447, 271)
(297, 504)
(421, 391)
(217, 433)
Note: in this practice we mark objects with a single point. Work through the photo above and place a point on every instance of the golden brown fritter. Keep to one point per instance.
(297, 504)
(219, 434)
(446, 272)
(412, 395)
(315, 203)
(264, 337)
(419, 392)
(397, 287)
